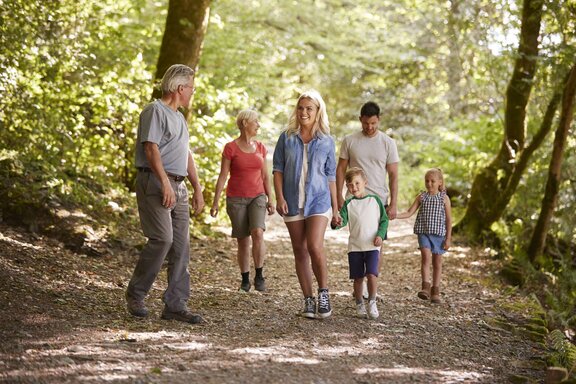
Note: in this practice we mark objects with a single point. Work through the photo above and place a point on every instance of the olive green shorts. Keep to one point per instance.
(246, 214)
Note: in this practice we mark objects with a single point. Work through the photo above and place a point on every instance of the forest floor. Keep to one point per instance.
(63, 320)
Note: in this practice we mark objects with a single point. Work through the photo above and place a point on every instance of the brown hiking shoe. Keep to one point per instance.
(435, 295)
(184, 315)
(136, 307)
(424, 294)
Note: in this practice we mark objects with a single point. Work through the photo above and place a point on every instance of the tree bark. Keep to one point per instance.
(487, 200)
(538, 240)
(186, 26)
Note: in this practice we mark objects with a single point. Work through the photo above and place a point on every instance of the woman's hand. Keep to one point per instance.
(281, 207)
(214, 210)
(270, 208)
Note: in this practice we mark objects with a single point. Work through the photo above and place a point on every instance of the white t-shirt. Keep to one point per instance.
(372, 154)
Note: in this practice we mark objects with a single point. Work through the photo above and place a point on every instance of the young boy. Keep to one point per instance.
(368, 223)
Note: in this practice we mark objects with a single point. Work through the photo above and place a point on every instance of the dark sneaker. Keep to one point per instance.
(309, 307)
(184, 315)
(324, 308)
(244, 286)
(260, 284)
(136, 307)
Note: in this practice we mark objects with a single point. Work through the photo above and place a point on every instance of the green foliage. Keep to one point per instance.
(71, 101)
(563, 353)
(74, 77)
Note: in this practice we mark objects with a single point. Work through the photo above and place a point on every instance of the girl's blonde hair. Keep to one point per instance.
(321, 125)
(353, 172)
(439, 174)
(246, 115)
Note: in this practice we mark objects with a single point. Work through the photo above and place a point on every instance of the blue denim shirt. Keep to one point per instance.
(287, 160)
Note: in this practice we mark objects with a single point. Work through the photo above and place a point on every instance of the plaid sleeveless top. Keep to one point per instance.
(431, 218)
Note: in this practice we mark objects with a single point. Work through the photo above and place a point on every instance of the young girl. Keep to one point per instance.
(434, 229)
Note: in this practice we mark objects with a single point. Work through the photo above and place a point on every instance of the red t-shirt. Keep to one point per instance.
(245, 170)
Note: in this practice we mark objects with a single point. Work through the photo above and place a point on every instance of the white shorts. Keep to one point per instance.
(300, 216)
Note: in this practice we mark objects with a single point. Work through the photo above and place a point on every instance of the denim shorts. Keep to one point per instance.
(432, 242)
(246, 214)
(363, 263)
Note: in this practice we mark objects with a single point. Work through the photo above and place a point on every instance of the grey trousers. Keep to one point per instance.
(168, 233)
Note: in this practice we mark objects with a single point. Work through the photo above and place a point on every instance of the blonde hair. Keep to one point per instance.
(353, 172)
(321, 125)
(176, 75)
(439, 174)
(245, 115)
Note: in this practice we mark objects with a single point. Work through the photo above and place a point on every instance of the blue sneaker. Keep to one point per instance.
(324, 308)
(309, 307)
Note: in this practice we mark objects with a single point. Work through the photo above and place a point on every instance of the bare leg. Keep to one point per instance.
(372, 286)
(358, 289)
(315, 231)
(258, 247)
(436, 270)
(425, 264)
(243, 254)
(297, 231)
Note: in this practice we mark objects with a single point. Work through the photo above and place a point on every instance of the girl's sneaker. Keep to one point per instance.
(361, 310)
(373, 309)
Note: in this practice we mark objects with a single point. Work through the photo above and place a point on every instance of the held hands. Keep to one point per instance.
(378, 241)
(336, 220)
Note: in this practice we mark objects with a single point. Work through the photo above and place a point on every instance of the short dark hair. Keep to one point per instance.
(370, 109)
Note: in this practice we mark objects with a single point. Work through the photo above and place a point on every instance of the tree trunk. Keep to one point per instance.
(487, 200)
(536, 247)
(186, 26)
(454, 70)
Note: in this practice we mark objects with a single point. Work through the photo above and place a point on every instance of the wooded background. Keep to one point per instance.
(482, 89)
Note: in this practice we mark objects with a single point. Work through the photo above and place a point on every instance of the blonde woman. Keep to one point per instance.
(247, 196)
(304, 173)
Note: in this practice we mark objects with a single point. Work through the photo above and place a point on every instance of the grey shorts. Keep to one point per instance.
(246, 214)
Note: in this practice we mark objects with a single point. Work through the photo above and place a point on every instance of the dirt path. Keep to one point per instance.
(63, 320)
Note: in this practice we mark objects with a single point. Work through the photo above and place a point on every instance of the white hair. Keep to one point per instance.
(176, 75)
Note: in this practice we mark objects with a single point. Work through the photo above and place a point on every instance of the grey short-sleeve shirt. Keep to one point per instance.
(162, 125)
(372, 154)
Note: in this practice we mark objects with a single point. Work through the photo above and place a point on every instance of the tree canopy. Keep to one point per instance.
(75, 76)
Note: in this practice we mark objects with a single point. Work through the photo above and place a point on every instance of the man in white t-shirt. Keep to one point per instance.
(376, 154)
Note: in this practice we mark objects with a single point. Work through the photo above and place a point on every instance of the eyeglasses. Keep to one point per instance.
(190, 86)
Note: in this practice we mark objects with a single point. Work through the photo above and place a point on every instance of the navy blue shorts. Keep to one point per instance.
(363, 263)
(432, 242)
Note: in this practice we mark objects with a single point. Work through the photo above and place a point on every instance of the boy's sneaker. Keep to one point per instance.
(244, 286)
(184, 315)
(309, 307)
(260, 284)
(361, 310)
(324, 308)
(373, 309)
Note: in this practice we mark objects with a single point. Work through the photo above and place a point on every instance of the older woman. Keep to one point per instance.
(247, 196)
(304, 169)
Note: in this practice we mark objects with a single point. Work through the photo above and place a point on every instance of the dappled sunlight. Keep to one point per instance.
(452, 376)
